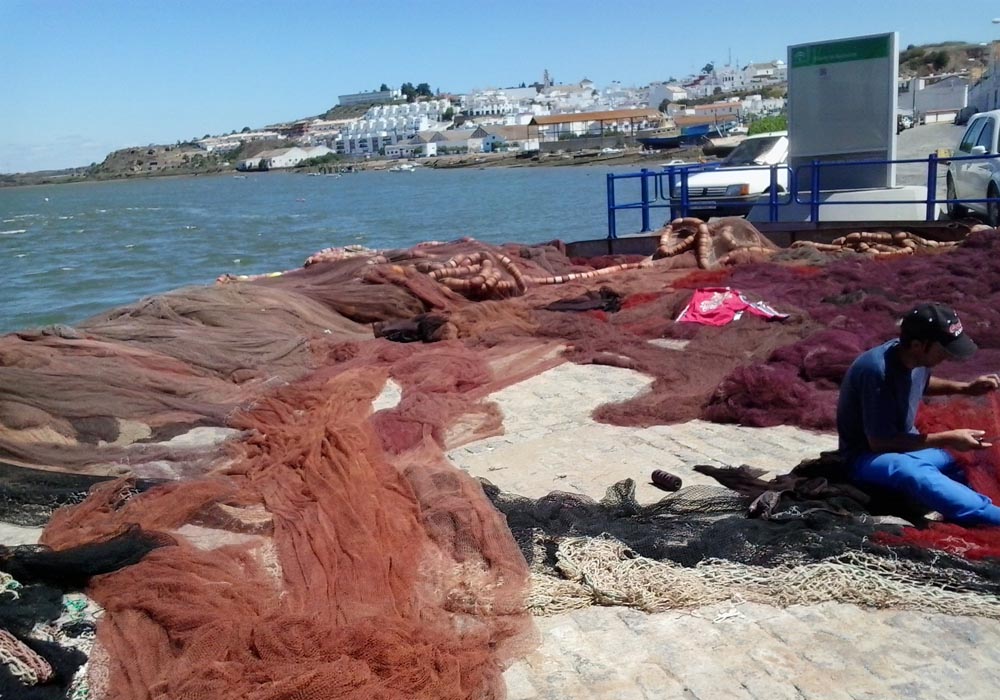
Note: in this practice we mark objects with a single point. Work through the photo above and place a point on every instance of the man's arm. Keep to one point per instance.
(962, 439)
(937, 386)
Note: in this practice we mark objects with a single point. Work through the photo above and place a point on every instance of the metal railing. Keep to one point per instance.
(669, 189)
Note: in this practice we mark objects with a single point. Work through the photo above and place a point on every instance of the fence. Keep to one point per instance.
(669, 189)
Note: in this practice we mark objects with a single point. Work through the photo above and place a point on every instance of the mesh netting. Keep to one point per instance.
(314, 548)
(697, 547)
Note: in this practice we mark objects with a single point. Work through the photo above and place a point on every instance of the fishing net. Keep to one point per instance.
(697, 546)
(312, 546)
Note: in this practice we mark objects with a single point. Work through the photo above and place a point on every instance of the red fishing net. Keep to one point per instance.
(329, 550)
(982, 472)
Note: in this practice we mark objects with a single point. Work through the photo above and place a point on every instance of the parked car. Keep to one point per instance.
(741, 178)
(977, 178)
(965, 114)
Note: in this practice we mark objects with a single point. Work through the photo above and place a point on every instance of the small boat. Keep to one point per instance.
(667, 135)
(403, 168)
(722, 145)
(671, 135)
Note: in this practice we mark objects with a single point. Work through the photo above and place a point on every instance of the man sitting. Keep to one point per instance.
(878, 404)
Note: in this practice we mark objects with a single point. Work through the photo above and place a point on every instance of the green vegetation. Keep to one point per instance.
(778, 122)
(321, 160)
(412, 93)
(951, 56)
(345, 111)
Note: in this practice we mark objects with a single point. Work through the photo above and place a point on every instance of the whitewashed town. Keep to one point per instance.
(703, 115)
(527, 117)
(516, 119)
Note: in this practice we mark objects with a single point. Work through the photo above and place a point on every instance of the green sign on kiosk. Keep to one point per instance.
(842, 107)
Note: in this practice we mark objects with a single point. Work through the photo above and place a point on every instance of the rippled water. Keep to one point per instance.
(71, 251)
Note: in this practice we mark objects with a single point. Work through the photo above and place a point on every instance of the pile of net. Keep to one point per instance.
(698, 546)
(314, 540)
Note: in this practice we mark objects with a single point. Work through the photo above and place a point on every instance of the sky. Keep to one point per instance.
(81, 79)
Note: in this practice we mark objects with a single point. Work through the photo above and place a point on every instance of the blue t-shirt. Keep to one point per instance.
(878, 398)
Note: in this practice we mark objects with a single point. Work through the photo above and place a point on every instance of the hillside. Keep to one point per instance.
(345, 112)
(943, 57)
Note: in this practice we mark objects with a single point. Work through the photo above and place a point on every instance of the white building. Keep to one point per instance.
(727, 78)
(758, 105)
(931, 100)
(406, 149)
(984, 94)
(368, 98)
(497, 102)
(760, 74)
(618, 96)
(569, 98)
(279, 158)
(387, 125)
(231, 142)
(512, 138)
(658, 92)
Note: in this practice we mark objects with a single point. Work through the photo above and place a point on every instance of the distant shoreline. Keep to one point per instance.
(466, 161)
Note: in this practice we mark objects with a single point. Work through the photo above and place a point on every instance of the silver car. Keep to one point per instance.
(978, 178)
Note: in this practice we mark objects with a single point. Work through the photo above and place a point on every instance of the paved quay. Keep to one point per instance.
(736, 650)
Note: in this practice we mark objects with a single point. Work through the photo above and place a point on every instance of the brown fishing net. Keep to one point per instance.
(318, 548)
(327, 571)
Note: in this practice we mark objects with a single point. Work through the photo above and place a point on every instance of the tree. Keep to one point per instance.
(448, 114)
(245, 130)
(664, 105)
(939, 59)
(708, 68)
(424, 90)
(383, 88)
(717, 90)
(522, 84)
(763, 125)
(409, 92)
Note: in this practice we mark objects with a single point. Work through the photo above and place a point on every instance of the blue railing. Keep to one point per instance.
(657, 186)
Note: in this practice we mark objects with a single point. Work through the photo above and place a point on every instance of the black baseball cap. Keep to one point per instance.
(938, 323)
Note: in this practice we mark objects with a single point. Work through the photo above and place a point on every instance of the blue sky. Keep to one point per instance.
(80, 79)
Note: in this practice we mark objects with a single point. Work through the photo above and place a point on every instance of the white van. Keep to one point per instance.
(735, 186)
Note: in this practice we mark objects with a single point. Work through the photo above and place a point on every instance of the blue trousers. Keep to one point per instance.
(929, 477)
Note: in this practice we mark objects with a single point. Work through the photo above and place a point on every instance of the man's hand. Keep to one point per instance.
(965, 439)
(982, 385)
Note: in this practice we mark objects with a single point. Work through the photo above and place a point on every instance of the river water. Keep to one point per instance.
(72, 251)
